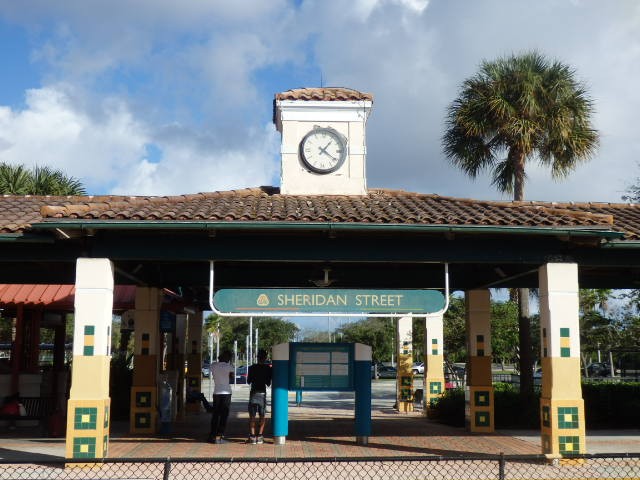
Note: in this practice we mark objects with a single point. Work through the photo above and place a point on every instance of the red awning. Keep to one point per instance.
(59, 296)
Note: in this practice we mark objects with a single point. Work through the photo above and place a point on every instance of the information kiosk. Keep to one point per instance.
(324, 367)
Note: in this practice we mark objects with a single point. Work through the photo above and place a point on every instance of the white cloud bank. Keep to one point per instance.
(196, 80)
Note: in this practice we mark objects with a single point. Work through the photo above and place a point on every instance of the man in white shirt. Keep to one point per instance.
(222, 373)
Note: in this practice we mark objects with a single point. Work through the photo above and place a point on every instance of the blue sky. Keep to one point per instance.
(157, 97)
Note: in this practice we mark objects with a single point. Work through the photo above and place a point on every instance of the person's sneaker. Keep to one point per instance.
(260, 439)
(222, 440)
(252, 440)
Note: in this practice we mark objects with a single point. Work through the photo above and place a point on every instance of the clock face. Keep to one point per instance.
(323, 150)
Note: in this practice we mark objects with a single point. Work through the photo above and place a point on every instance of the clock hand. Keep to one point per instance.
(324, 150)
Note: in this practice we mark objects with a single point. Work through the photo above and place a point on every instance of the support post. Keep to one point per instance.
(280, 393)
(561, 403)
(194, 361)
(144, 394)
(88, 419)
(479, 411)
(362, 380)
(433, 382)
(404, 380)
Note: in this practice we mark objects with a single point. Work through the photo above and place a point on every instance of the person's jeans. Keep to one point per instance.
(221, 406)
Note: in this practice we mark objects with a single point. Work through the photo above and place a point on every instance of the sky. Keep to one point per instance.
(158, 97)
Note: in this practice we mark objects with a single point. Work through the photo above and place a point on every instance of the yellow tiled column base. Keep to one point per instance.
(435, 388)
(562, 426)
(404, 383)
(143, 411)
(479, 409)
(88, 423)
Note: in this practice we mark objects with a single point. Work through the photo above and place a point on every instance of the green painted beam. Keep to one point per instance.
(325, 226)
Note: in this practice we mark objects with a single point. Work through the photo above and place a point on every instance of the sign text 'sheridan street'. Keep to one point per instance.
(328, 300)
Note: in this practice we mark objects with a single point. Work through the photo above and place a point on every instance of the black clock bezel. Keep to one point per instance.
(332, 132)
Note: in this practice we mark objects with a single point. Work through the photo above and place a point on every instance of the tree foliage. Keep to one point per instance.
(516, 109)
(18, 180)
(271, 331)
(376, 332)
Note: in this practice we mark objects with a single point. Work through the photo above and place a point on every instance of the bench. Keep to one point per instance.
(37, 408)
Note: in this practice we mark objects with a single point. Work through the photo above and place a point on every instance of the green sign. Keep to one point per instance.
(328, 301)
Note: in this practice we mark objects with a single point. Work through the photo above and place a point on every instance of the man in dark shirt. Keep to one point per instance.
(259, 376)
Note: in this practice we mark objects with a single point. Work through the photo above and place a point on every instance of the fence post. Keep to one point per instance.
(500, 467)
(167, 468)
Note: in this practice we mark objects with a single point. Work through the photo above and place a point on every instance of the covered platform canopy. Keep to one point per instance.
(260, 238)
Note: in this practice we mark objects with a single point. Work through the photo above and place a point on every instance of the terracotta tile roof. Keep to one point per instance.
(324, 94)
(59, 296)
(266, 204)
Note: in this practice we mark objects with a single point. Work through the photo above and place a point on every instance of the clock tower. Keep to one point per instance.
(323, 148)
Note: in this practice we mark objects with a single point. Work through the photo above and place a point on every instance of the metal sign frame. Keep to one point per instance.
(325, 314)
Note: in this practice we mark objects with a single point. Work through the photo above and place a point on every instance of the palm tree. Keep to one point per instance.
(518, 109)
(18, 180)
(14, 179)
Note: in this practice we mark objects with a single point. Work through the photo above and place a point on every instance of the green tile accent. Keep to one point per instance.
(434, 341)
(143, 399)
(565, 332)
(89, 450)
(481, 398)
(435, 387)
(106, 417)
(546, 416)
(89, 330)
(434, 346)
(193, 381)
(546, 444)
(105, 445)
(406, 381)
(85, 418)
(479, 338)
(88, 351)
(142, 420)
(434, 351)
(406, 395)
(568, 417)
(569, 444)
(565, 352)
(483, 419)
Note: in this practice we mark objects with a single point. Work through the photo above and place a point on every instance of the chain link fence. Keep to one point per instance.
(482, 467)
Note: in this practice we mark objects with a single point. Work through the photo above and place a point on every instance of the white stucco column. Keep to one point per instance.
(561, 403)
(88, 419)
(404, 380)
(479, 411)
(433, 380)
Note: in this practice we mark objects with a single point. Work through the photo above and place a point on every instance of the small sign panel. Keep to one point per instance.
(236, 300)
(321, 366)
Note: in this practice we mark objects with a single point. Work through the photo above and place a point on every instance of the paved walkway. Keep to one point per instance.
(322, 427)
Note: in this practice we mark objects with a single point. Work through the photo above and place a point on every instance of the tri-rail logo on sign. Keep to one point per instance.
(328, 301)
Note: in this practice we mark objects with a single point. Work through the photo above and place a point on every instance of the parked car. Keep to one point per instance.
(387, 372)
(599, 369)
(241, 374)
(418, 368)
(206, 370)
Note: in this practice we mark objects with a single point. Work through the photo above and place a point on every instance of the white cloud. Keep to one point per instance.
(105, 147)
(197, 79)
